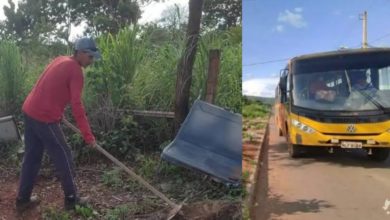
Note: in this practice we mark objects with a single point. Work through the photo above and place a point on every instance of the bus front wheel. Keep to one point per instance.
(379, 154)
(294, 150)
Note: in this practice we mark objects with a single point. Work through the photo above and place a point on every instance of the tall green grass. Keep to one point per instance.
(110, 80)
(229, 79)
(11, 77)
(113, 75)
(154, 87)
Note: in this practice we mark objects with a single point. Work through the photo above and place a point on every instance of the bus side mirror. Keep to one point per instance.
(283, 83)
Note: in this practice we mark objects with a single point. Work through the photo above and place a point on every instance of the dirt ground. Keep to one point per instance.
(102, 198)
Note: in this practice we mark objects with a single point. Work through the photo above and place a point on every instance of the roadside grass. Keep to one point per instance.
(255, 115)
(255, 110)
(255, 118)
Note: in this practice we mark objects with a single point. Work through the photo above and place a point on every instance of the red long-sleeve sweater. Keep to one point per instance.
(59, 85)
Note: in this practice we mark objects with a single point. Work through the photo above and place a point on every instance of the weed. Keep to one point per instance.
(133, 185)
(119, 213)
(259, 126)
(10, 152)
(147, 166)
(112, 178)
(167, 169)
(245, 212)
(53, 214)
(247, 137)
(147, 205)
(85, 211)
(245, 176)
(252, 162)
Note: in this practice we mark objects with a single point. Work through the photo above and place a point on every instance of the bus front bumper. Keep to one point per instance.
(317, 139)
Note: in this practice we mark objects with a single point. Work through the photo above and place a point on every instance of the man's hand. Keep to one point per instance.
(92, 145)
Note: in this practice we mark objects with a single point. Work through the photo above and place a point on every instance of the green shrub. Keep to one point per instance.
(85, 212)
(255, 110)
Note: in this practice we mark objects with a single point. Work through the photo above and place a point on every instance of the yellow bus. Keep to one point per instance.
(338, 99)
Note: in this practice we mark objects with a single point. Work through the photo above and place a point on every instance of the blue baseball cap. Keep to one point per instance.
(88, 45)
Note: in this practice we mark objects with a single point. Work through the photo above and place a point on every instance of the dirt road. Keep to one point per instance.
(343, 185)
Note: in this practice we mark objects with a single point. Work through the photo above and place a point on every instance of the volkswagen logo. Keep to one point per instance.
(351, 128)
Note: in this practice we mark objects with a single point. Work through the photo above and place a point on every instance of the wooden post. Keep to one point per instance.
(212, 79)
(184, 69)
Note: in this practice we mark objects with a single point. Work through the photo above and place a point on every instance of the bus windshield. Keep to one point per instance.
(358, 83)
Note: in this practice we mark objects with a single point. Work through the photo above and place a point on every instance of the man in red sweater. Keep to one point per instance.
(60, 84)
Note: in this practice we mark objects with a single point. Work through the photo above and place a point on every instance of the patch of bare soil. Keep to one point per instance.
(102, 198)
(213, 210)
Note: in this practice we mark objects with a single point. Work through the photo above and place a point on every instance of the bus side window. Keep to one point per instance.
(383, 78)
(288, 88)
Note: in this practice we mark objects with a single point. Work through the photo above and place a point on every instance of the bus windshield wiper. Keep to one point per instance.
(373, 101)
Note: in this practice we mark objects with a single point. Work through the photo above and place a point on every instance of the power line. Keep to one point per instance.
(264, 62)
(380, 38)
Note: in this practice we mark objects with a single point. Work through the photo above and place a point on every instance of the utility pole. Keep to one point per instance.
(364, 18)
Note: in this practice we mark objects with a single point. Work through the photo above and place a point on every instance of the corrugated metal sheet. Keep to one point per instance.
(209, 140)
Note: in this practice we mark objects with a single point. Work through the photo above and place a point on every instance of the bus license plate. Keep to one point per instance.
(349, 144)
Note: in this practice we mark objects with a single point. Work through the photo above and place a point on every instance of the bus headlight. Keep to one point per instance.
(302, 126)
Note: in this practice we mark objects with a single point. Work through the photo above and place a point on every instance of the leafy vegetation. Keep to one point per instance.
(112, 178)
(119, 213)
(222, 14)
(54, 214)
(254, 110)
(85, 212)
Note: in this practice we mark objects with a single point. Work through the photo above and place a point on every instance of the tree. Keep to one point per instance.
(184, 70)
(174, 17)
(171, 27)
(50, 20)
(222, 14)
(21, 22)
(105, 16)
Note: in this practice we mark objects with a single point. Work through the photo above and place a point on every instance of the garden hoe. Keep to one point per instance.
(175, 207)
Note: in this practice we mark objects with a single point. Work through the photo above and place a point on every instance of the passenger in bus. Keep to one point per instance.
(319, 91)
(360, 82)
